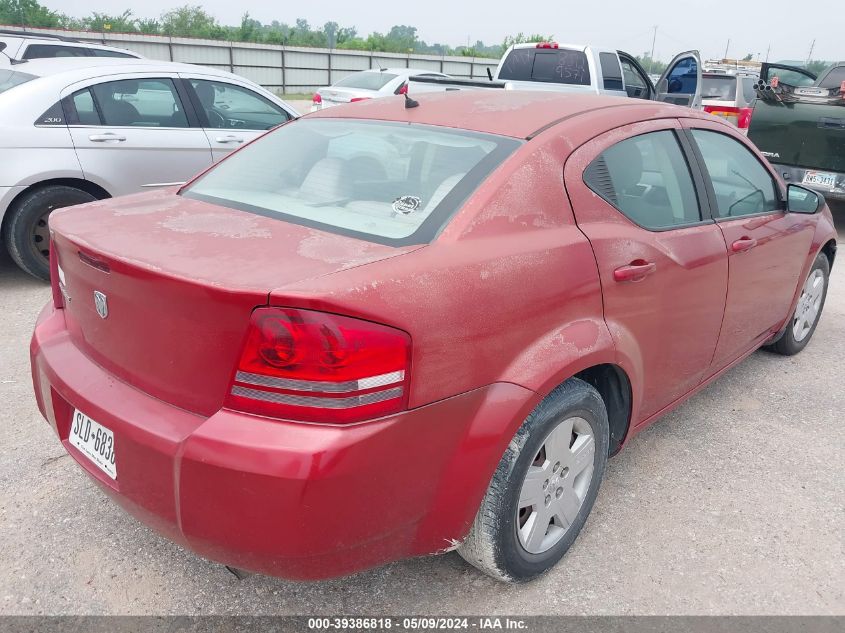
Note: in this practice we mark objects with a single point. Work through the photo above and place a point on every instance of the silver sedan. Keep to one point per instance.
(78, 130)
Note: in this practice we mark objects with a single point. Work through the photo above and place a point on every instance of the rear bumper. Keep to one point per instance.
(288, 499)
(795, 175)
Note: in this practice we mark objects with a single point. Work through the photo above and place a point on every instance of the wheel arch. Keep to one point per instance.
(78, 183)
(829, 250)
(614, 387)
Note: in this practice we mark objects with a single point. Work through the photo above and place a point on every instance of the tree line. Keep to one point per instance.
(194, 21)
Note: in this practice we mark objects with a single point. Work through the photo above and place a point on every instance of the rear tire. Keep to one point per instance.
(802, 324)
(27, 237)
(561, 450)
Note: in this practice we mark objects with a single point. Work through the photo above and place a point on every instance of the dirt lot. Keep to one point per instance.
(732, 504)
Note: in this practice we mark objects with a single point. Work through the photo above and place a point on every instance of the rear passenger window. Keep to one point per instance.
(742, 185)
(139, 103)
(86, 113)
(44, 51)
(647, 178)
(611, 71)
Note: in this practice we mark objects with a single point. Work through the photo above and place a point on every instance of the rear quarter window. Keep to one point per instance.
(385, 182)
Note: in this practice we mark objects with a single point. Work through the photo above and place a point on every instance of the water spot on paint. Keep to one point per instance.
(217, 225)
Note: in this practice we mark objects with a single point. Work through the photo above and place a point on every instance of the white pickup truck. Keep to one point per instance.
(585, 69)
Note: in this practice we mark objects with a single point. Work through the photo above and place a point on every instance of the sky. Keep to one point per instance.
(752, 26)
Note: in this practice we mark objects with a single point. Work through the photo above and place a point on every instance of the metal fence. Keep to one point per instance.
(281, 69)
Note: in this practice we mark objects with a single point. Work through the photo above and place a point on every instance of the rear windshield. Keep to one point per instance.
(385, 182)
(834, 78)
(366, 80)
(10, 79)
(722, 88)
(562, 66)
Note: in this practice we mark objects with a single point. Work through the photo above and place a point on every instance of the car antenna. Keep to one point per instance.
(12, 60)
(410, 103)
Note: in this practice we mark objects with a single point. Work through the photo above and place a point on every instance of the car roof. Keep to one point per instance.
(85, 67)
(515, 113)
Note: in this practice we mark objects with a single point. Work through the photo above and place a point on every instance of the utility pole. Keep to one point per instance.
(651, 57)
(768, 50)
(727, 46)
(810, 54)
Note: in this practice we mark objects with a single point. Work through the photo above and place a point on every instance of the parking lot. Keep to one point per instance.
(733, 504)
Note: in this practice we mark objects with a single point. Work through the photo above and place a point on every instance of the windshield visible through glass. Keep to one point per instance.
(396, 183)
(9, 79)
(366, 80)
(722, 88)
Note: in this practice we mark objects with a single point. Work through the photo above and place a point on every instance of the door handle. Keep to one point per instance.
(743, 244)
(104, 138)
(228, 139)
(637, 270)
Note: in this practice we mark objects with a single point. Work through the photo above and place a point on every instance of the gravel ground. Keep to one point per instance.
(733, 504)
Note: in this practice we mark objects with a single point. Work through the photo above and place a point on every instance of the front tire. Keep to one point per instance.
(544, 486)
(802, 324)
(27, 234)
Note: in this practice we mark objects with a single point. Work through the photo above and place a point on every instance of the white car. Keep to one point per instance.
(77, 130)
(368, 84)
(21, 46)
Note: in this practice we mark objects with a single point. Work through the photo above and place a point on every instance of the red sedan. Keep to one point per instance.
(380, 332)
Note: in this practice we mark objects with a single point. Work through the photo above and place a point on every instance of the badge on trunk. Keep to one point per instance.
(101, 303)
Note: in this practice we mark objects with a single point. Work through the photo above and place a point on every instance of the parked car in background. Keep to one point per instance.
(22, 46)
(368, 84)
(303, 368)
(586, 70)
(730, 96)
(76, 130)
(799, 125)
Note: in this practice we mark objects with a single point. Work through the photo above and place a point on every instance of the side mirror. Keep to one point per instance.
(802, 200)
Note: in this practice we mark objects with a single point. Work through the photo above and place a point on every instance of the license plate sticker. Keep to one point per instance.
(94, 441)
(820, 179)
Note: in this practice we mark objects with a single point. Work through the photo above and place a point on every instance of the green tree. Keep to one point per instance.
(747, 58)
(522, 38)
(28, 13)
(123, 23)
(191, 21)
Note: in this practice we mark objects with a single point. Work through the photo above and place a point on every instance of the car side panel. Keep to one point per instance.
(509, 291)
(665, 327)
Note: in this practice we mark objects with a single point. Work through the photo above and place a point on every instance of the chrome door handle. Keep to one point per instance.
(104, 138)
(228, 139)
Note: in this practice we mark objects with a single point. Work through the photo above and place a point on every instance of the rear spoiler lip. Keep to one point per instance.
(467, 83)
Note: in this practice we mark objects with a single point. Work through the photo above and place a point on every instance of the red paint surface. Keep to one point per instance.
(518, 293)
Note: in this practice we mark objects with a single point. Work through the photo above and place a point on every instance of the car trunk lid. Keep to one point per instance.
(158, 289)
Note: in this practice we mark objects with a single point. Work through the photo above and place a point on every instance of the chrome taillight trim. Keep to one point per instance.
(316, 402)
(370, 382)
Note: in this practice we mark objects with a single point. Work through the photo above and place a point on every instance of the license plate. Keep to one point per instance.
(820, 179)
(94, 441)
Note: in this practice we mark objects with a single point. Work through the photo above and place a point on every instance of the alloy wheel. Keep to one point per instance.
(809, 305)
(555, 485)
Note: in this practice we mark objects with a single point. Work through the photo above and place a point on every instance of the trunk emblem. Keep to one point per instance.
(101, 303)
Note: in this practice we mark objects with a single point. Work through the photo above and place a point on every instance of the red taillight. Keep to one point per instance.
(319, 367)
(355, 99)
(317, 98)
(547, 45)
(741, 117)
